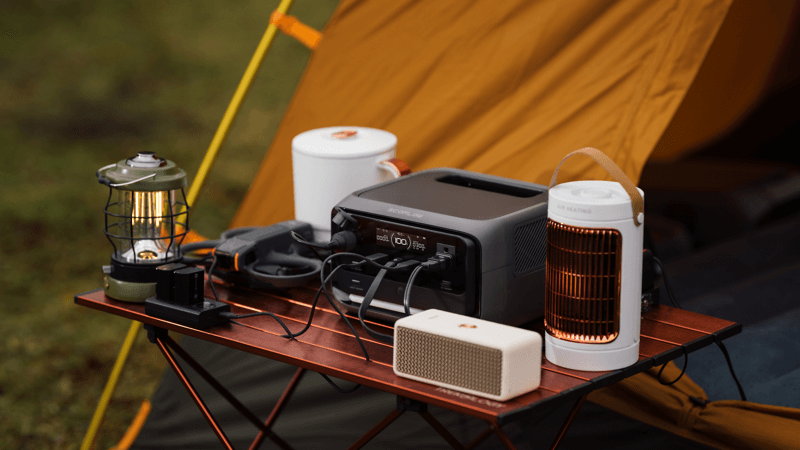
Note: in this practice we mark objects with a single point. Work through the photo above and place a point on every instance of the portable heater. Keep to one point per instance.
(593, 271)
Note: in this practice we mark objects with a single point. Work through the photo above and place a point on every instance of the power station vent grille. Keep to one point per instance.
(450, 361)
(529, 246)
(583, 283)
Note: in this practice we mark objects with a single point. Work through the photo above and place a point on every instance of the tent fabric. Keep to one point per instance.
(723, 424)
(504, 88)
(743, 60)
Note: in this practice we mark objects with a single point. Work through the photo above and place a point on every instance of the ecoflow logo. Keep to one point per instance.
(403, 212)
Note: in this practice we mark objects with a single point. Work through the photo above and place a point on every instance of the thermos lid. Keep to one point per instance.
(592, 200)
(344, 142)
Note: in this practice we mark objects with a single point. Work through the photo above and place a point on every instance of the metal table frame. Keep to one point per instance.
(329, 348)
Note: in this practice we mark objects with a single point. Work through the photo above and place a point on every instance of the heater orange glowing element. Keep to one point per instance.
(583, 278)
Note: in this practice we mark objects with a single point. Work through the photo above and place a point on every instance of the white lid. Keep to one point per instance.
(591, 200)
(344, 142)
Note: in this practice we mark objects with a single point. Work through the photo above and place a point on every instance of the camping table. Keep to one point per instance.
(330, 348)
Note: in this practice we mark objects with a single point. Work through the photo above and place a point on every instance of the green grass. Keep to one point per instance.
(84, 84)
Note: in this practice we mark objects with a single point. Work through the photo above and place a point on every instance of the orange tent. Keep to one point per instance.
(505, 88)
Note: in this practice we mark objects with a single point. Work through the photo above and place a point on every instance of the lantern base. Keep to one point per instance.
(127, 291)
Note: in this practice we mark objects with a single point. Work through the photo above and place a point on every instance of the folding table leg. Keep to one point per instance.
(165, 343)
(376, 429)
(503, 438)
(198, 401)
(213, 382)
(403, 405)
(441, 430)
(570, 417)
(481, 437)
(492, 429)
(287, 393)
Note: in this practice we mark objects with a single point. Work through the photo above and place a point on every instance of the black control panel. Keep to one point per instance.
(453, 290)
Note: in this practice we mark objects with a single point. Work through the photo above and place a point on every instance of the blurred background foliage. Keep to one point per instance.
(83, 84)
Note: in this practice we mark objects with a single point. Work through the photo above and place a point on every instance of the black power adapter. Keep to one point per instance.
(179, 298)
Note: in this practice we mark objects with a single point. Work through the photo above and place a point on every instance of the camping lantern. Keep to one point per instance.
(146, 218)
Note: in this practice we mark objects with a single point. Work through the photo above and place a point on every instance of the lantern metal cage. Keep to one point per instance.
(146, 227)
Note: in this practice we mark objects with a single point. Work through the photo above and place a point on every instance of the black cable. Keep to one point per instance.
(685, 364)
(296, 236)
(407, 294)
(195, 261)
(338, 389)
(666, 283)
(730, 366)
(186, 249)
(344, 240)
(316, 253)
(230, 315)
(368, 299)
(719, 344)
(375, 264)
(210, 272)
(324, 287)
(202, 245)
(316, 298)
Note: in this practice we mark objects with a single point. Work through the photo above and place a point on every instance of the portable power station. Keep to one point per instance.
(495, 227)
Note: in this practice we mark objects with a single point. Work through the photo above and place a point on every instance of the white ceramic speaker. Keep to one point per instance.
(465, 354)
(594, 271)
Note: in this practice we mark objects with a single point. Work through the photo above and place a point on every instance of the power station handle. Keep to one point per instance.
(637, 203)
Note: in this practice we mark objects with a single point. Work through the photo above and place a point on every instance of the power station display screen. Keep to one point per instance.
(396, 239)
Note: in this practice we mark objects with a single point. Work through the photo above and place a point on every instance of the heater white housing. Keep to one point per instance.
(594, 277)
(465, 354)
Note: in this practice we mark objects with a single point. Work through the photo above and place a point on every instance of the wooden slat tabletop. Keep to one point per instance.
(329, 347)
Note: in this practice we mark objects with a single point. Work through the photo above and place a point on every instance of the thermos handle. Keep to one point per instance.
(637, 203)
(396, 167)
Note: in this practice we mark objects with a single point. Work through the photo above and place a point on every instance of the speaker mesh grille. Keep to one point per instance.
(529, 246)
(582, 283)
(448, 360)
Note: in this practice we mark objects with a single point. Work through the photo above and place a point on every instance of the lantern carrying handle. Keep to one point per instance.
(103, 180)
(134, 181)
(637, 202)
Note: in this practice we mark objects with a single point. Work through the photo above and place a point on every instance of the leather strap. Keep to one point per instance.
(637, 203)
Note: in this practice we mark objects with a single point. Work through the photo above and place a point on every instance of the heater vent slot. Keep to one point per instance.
(529, 248)
(583, 283)
(450, 361)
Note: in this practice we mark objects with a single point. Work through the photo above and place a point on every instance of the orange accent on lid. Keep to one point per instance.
(344, 134)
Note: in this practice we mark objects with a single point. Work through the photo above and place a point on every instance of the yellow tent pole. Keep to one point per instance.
(194, 190)
(233, 107)
(111, 386)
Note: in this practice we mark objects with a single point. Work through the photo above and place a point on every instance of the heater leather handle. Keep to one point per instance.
(637, 203)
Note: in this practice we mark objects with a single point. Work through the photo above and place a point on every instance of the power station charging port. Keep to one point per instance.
(444, 248)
